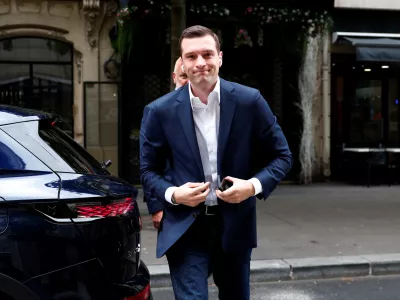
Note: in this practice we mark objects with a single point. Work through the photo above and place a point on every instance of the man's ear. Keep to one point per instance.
(174, 77)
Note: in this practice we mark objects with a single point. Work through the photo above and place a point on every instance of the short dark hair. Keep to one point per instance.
(197, 31)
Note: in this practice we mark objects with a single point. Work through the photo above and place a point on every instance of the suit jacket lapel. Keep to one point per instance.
(227, 110)
(185, 115)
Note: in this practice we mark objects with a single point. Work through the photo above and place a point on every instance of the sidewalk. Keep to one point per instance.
(320, 222)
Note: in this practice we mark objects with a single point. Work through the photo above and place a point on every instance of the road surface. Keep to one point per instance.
(362, 288)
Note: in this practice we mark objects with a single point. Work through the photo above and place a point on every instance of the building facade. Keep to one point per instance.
(52, 58)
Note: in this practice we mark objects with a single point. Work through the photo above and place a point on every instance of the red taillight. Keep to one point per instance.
(91, 209)
(143, 295)
(107, 210)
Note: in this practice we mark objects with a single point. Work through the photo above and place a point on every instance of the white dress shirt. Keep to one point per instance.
(206, 120)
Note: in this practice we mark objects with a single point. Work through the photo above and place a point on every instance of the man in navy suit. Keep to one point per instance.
(193, 138)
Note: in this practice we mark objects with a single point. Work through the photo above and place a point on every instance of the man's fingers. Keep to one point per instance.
(201, 197)
(233, 179)
(200, 189)
(231, 197)
(193, 184)
(229, 192)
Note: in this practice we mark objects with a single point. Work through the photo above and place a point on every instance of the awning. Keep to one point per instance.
(375, 48)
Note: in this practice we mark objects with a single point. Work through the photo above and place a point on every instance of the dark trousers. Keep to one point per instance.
(198, 254)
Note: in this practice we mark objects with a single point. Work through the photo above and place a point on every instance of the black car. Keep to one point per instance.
(68, 229)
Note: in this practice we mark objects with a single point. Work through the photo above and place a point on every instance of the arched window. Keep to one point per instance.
(37, 73)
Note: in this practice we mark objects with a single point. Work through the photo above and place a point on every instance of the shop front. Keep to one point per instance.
(365, 95)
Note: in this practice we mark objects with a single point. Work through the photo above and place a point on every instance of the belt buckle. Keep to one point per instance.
(207, 213)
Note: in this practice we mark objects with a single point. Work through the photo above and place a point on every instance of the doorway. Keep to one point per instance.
(364, 104)
(37, 73)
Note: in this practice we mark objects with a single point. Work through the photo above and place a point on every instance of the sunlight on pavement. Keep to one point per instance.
(289, 295)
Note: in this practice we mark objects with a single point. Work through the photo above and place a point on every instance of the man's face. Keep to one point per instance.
(179, 76)
(201, 60)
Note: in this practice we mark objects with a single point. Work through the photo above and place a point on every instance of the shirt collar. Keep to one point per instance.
(217, 90)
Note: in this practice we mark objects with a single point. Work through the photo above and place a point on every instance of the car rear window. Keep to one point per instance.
(14, 157)
(54, 147)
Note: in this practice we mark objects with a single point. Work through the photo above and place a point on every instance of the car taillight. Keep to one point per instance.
(88, 210)
(143, 295)
(96, 210)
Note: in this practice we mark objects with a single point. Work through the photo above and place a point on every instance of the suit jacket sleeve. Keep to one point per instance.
(153, 203)
(152, 159)
(274, 144)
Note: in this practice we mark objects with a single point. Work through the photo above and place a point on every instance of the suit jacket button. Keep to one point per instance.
(194, 215)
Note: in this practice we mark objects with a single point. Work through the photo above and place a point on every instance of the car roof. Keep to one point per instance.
(14, 114)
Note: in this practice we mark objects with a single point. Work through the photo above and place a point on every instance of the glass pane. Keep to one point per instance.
(394, 111)
(72, 153)
(366, 123)
(15, 157)
(14, 84)
(35, 49)
(52, 91)
(54, 148)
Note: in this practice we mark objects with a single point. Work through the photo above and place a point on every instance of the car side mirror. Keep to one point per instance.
(106, 163)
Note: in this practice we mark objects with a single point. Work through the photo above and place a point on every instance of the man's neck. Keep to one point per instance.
(202, 91)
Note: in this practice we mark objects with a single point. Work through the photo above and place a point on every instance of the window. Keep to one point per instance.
(366, 122)
(365, 103)
(14, 157)
(72, 153)
(54, 147)
(37, 73)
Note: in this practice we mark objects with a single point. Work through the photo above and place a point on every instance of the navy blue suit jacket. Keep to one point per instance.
(250, 144)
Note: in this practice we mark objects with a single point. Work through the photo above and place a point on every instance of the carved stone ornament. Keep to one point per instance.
(79, 63)
(91, 11)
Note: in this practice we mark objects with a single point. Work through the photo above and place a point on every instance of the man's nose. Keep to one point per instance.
(200, 62)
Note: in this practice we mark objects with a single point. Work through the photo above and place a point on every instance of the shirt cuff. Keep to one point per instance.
(168, 194)
(257, 185)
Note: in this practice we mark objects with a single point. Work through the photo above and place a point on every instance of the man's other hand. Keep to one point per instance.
(238, 192)
(192, 193)
(156, 218)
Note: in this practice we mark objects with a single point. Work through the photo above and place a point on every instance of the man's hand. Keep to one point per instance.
(239, 191)
(192, 193)
(156, 218)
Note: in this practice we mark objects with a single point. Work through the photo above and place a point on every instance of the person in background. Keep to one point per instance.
(179, 76)
(180, 79)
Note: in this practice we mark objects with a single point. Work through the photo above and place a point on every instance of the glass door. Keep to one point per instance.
(393, 113)
(365, 114)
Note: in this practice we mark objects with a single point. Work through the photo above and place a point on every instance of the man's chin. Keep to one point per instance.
(203, 80)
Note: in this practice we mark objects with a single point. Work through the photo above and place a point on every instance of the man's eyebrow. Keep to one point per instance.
(201, 51)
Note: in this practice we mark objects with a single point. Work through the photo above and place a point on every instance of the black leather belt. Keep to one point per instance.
(210, 210)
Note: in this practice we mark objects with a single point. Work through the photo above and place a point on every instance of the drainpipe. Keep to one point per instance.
(326, 104)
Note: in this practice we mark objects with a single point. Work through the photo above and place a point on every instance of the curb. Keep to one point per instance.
(304, 268)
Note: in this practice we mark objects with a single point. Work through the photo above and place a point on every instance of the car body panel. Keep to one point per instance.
(62, 257)
(12, 114)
